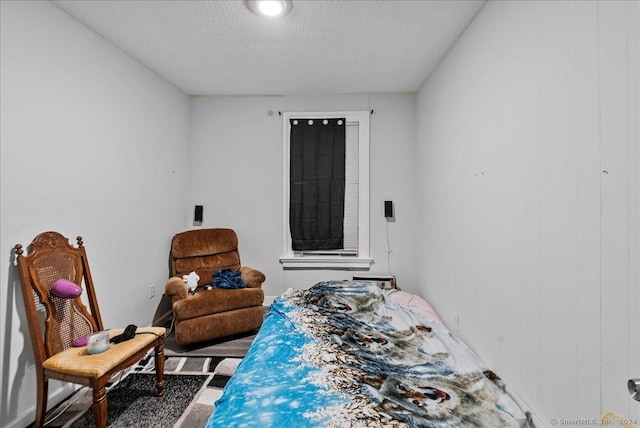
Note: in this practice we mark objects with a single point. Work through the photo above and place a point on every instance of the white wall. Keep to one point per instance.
(516, 227)
(236, 173)
(528, 199)
(92, 144)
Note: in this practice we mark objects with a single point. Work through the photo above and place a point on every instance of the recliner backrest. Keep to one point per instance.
(204, 251)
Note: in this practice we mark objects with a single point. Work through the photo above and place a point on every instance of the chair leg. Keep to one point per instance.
(159, 363)
(100, 406)
(41, 406)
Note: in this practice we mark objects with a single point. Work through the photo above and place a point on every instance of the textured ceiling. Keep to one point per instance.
(320, 47)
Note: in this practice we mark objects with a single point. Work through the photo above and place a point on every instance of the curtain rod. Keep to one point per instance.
(372, 112)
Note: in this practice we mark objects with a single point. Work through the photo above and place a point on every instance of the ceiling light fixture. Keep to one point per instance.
(270, 8)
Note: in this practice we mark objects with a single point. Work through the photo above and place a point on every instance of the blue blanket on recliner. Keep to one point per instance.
(227, 278)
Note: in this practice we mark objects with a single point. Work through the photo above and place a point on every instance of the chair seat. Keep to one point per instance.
(78, 362)
(208, 302)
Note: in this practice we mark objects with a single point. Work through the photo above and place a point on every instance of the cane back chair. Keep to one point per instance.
(51, 258)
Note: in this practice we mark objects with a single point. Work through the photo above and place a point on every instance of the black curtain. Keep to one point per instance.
(317, 169)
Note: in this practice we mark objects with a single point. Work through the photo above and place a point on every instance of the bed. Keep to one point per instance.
(348, 354)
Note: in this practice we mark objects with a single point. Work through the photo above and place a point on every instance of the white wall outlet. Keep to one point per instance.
(456, 322)
(152, 291)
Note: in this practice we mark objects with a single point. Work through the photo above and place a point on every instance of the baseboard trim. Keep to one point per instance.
(162, 319)
(29, 416)
(268, 300)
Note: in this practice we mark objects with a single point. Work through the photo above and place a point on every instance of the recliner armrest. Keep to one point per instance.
(176, 289)
(252, 277)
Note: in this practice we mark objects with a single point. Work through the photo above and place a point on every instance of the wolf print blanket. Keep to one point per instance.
(342, 354)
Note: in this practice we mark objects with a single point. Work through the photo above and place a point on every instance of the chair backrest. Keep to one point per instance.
(204, 251)
(51, 258)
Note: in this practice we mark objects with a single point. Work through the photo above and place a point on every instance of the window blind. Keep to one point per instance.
(351, 190)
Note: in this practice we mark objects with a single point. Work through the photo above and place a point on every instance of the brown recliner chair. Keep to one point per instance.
(218, 312)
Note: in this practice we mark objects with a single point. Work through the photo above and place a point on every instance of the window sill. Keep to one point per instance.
(326, 262)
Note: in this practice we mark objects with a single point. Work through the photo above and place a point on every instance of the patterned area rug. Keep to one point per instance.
(193, 384)
(133, 400)
(220, 369)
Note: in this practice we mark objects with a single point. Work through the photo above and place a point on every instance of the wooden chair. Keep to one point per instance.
(51, 258)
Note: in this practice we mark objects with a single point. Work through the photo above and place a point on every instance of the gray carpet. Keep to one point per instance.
(234, 347)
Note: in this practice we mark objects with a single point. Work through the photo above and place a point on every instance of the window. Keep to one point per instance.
(354, 253)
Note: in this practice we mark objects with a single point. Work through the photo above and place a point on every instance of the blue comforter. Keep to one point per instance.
(342, 354)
